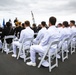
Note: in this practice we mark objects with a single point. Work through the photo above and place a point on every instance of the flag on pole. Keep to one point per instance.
(33, 17)
(3, 22)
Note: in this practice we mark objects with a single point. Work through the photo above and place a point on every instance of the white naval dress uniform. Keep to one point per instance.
(51, 33)
(26, 33)
(65, 32)
(73, 31)
(40, 36)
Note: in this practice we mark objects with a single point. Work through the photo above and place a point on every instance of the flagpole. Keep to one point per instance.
(33, 17)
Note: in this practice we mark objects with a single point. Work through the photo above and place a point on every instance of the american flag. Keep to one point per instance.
(3, 22)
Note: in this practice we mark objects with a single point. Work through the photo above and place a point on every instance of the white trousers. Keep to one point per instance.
(15, 45)
(38, 49)
(33, 50)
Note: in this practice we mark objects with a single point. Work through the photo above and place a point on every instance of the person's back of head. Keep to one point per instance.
(72, 23)
(39, 27)
(34, 25)
(52, 21)
(59, 25)
(8, 24)
(23, 25)
(9, 20)
(43, 23)
(27, 24)
(65, 24)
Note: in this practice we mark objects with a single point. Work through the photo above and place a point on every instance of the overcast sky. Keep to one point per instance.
(42, 10)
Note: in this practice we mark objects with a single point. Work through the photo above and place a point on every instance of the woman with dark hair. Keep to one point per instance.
(8, 30)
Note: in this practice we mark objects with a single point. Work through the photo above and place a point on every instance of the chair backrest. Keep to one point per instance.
(54, 42)
(27, 40)
(8, 37)
(71, 37)
(5, 44)
(35, 33)
(66, 38)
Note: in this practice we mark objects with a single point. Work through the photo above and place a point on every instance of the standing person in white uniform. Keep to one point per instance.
(41, 33)
(52, 34)
(25, 33)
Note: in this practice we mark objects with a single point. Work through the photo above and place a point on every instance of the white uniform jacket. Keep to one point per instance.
(40, 35)
(25, 34)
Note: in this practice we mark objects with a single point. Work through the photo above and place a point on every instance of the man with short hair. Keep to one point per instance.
(72, 26)
(72, 23)
(65, 29)
(51, 34)
(41, 33)
(26, 33)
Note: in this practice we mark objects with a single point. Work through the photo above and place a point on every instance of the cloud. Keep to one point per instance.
(42, 9)
(42, 6)
(54, 6)
(7, 2)
(72, 6)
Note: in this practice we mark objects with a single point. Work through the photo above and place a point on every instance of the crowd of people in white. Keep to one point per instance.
(40, 43)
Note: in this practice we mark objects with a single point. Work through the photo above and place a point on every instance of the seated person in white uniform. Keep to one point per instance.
(65, 32)
(72, 24)
(41, 33)
(52, 34)
(73, 30)
(25, 33)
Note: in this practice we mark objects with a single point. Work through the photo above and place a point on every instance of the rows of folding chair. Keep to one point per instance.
(23, 50)
(71, 43)
(60, 50)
